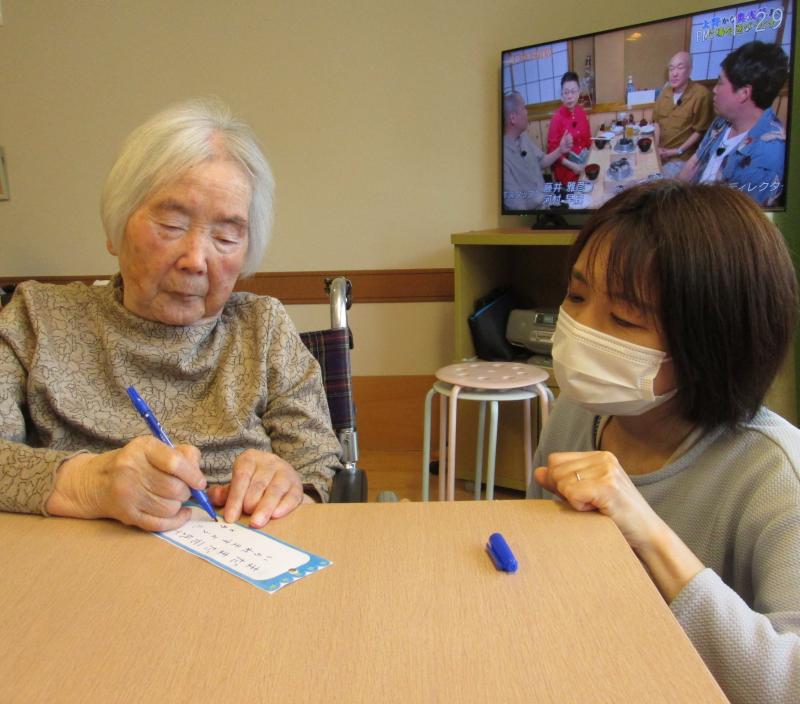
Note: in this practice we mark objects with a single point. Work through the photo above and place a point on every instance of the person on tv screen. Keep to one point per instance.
(746, 144)
(523, 160)
(682, 114)
(569, 119)
(680, 309)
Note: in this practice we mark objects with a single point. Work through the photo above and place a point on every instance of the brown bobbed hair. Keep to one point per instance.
(719, 279)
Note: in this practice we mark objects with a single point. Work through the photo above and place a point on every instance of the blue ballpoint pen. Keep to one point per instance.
(155, 428)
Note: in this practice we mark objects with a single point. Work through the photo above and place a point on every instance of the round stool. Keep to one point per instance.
(486, 382)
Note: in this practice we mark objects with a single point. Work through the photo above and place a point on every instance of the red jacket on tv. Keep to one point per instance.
(576, 123)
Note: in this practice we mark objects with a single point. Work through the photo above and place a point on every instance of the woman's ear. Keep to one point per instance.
(110, 247)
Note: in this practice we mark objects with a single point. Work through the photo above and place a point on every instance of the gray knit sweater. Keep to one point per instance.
(734, 499)
(243, 380)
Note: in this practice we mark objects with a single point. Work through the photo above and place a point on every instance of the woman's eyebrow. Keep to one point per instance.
(233, 220)
(172, 205)
(169, 204)
(578, 276)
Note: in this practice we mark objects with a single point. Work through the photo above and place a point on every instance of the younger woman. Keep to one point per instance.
(680, 309)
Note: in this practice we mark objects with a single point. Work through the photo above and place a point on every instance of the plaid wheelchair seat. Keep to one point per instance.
(331, 348)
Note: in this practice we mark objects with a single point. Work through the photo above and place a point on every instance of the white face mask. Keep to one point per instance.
(602, 373)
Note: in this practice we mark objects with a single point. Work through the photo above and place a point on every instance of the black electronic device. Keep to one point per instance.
(532, 329)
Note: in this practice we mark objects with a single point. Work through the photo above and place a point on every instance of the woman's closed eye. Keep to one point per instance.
(228, 236)
(624, 322)
(226, 243)
(630, 315)
(173, 227)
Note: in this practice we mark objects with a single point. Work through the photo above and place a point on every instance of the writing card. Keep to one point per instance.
(257, 558)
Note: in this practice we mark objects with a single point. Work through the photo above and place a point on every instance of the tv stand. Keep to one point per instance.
(550, 221)
(534, 265)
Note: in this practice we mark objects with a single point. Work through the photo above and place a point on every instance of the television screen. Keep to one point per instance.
(702, 97)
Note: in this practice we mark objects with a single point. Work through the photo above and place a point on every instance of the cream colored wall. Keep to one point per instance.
(381, 120)
(391, 338)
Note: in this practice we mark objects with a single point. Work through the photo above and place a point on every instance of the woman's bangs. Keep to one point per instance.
(630, 275)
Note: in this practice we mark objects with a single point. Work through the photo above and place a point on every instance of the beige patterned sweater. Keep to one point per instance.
(243, 380)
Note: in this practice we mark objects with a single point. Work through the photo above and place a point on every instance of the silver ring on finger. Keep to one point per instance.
(578, 476)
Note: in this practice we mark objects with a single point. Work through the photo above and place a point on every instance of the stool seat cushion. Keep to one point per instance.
(492, 375)
(470, 394)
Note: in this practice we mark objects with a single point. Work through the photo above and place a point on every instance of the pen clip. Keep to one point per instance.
(501, 554)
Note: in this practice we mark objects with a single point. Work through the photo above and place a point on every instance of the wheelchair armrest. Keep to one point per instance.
(349, 487)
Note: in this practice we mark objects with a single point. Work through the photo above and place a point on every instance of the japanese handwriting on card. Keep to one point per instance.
(249, 554)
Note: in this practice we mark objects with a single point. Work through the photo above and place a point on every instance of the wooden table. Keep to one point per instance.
(644, 164)
(412, 610)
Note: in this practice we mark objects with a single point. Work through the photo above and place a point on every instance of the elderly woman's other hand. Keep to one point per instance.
(263, 485)
(143, 484)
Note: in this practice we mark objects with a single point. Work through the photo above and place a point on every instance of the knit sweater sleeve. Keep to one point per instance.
(735, 501)
(745, 620)
(27, 472)
(755, 657)
(297, 419)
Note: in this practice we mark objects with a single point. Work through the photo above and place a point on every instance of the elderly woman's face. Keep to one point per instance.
(184, 247)
(570, 92)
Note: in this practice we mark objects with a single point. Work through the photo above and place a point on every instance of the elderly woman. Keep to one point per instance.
(187, 210)
(569, 119)
(680, 308)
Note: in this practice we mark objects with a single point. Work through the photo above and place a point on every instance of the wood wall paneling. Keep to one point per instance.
(308, 287)
(389, 411)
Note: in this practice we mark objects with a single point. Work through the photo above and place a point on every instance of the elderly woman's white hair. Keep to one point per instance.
(167, 145)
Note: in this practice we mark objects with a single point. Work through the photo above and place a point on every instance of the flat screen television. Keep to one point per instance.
(703, 97)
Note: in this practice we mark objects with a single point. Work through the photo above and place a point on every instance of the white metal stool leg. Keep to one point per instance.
(442, 445)
(451, 442)
(479, 450)
(493, 406)
(526, 434)
(426, 447)
(544, 402)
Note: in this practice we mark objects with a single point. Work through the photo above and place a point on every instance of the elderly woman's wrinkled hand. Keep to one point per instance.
(143, 484)
(263, 485)
(596, 481)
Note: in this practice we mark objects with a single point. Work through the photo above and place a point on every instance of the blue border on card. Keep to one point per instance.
(314, 564)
